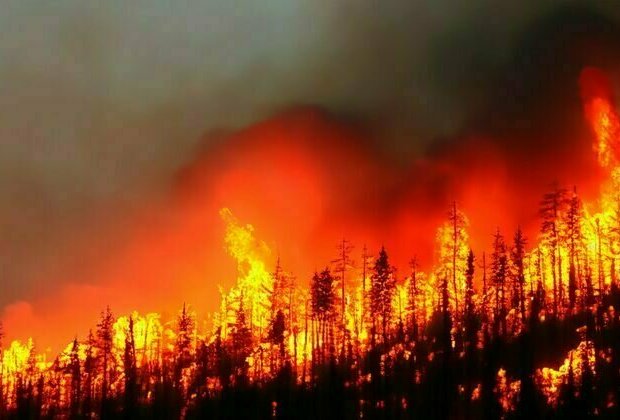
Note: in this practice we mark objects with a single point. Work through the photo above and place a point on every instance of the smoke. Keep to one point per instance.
(111, 190)
(304, 179)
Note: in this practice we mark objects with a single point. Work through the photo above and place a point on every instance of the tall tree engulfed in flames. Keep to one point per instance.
(526, 328)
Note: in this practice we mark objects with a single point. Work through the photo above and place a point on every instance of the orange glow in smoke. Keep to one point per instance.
(292, 195)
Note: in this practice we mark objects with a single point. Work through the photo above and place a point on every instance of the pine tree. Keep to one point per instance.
(457, 225)
(551, 206)
(105, 335)
(341, 265)
(90, 365)
(241, 344)
(413, 292)
(470, 318)
(588, 288)
(381, 292)
(484, 304)
(499, 268)
(518, 274)
(445, 339)
(130, 372)
(295, 299)
(366, 261)
(276, 333)
(599, 258)
(76, 379)
(279, 293)
(323, 298)
(574, 237)
(184, 338)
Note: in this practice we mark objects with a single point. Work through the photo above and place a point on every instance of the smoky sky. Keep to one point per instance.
(101, 102)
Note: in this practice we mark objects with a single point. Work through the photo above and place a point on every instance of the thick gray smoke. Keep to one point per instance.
(101, 102)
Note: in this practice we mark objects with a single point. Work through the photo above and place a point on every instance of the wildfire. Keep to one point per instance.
(507, 391)
(363, 316)
(254, 283)
(602, 116)
(606, 125)
(578, 361)
(147, 335)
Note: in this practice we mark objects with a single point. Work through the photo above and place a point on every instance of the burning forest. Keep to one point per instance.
(527, 327)
(390, 215)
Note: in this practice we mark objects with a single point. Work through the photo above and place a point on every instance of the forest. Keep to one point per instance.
(505, 334)
(529, 328)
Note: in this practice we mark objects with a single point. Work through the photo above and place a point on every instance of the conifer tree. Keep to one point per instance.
(90, 365)
(413, 293)
(105, 335)
(184, 338)
(241, 344)
(381, 292)
(323, 298)
(76, 379)
(457, 226)
(518, 273)
(279, 293)
(470, 317)
(342, 264)
(574, 238)
(130, 372)
(276, 333)
(499, 268)
(551, 207)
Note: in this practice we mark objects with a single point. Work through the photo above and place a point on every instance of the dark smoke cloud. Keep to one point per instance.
(101, 103)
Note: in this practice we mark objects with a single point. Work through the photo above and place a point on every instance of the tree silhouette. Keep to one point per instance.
(457, 226)
(381, 292)
(90, 365)
(341, 264)
(276, 333)
(574, 238)
(241, 345)
(280, 292)
(130, 373)
(323, 299)
(105, 335)
(183, 343)
(366, 262)
(76, 379)
(413, 292)
(551, 206)
(518, 274)
(499, 268)
(471, 321)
